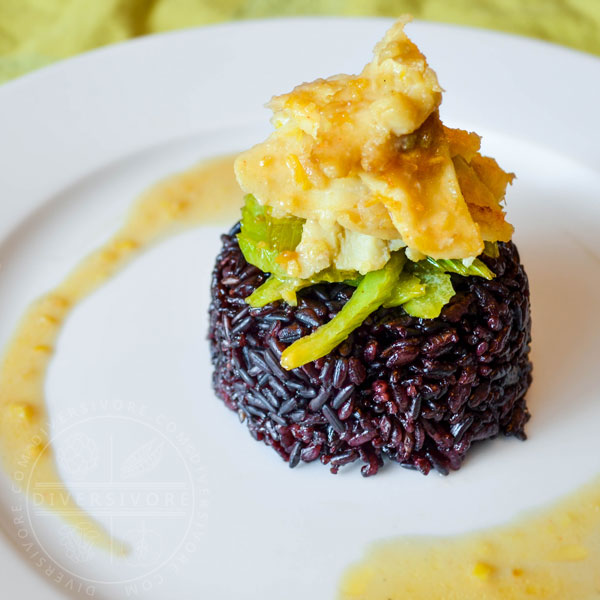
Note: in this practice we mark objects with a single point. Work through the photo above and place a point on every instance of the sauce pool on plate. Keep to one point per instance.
(553, 554)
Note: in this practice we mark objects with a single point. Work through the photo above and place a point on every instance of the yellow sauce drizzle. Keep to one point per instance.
(206, 193)
(554, 554)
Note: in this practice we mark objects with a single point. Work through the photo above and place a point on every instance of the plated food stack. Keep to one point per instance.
(370, 302)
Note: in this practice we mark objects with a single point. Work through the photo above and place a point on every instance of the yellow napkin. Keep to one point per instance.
(34, 33)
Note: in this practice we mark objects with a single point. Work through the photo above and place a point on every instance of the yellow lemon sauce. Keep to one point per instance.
(552, 554)
(204, 194)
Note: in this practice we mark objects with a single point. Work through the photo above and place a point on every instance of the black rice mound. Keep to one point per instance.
(418, 391)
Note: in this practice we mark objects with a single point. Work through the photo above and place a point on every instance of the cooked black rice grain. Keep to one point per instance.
(418, 391)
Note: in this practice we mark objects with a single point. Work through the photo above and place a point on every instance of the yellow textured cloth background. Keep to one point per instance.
(34, 33)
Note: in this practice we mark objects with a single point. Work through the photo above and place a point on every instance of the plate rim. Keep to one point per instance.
(47, 73)
(158, 37)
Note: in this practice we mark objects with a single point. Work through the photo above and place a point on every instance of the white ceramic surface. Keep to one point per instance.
(212, 514)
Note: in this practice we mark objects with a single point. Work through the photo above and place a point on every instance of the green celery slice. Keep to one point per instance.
(373, 290)
(491, 249)
(477, 267)
(274, 289)
(438, 291)
(285, 288)
(264, 237)
(406, 288)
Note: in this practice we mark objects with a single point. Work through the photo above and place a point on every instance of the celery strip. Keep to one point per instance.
(263, 237)
(477, 267)
(285, 288)
(274, 289)
(373, 290)
(438, 292)
(406, 288)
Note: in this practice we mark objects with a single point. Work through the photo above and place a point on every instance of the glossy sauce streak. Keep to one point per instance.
(206, 193)
(552, 554)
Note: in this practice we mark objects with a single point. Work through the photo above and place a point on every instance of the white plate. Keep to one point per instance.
(79, 141)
